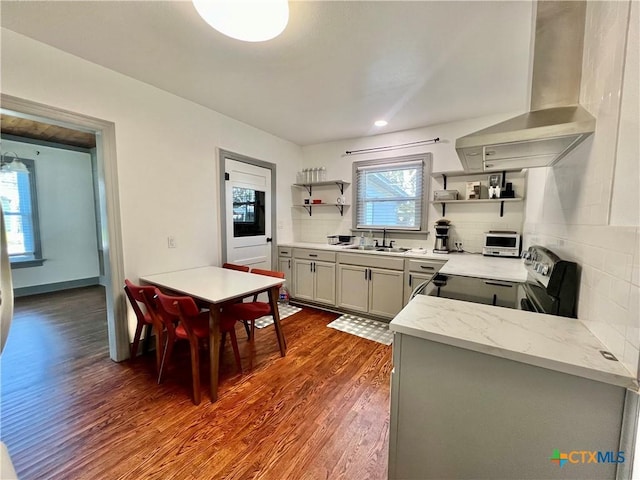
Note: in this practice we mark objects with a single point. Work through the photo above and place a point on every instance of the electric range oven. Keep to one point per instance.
(551, 286)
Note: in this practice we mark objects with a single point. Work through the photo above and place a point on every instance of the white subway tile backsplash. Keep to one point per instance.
(620, 292)
(618, 264)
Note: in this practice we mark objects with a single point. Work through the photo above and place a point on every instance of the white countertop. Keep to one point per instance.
(464, 264)
(548, 341)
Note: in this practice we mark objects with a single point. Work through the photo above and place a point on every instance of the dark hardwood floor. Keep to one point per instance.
(69, 412)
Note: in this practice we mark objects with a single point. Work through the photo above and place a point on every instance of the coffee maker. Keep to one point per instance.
(442, 236)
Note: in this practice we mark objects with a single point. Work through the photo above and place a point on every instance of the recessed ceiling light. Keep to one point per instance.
(380, 123)
(247, 20)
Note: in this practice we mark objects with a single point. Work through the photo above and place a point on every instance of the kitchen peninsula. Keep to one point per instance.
(480, 391)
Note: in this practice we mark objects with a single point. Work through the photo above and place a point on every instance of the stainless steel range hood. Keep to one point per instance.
(556, 123)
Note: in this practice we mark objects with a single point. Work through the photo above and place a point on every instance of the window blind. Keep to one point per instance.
(390, 195)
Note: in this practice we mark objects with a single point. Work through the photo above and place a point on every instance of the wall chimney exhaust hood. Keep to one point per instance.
(556, 123)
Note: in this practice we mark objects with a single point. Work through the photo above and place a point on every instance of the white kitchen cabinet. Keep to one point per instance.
(418, 271)
(314, 275)
(353, 289)
(285, 264)
(452, 409)
(385, 292)
(363, 286)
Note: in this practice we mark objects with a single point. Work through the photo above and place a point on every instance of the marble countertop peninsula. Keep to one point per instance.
(464, 264)
(547, 341)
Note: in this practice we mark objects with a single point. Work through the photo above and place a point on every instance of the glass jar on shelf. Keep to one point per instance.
(323, 174)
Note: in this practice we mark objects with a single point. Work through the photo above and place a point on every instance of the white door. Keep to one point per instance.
(248, 212)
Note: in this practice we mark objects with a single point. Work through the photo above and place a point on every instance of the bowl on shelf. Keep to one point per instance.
(315, 201)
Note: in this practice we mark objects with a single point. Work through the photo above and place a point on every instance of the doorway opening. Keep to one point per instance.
(108, 224)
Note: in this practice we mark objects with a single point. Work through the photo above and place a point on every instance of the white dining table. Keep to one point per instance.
(217, 286)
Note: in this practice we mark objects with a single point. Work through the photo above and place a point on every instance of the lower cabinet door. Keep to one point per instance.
(284, 265)
(304, 279)
(325, 282)
(386, 292)
(353, 288)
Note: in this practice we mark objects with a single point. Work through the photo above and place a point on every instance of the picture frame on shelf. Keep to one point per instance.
(473, 190)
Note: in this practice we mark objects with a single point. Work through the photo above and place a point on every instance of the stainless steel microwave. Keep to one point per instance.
(501, 244)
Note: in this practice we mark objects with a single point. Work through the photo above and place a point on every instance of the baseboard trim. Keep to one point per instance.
(338, 310)
(55, 287)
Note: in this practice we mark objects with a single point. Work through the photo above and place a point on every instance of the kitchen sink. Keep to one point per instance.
(360, 247)
(379, 249)
(392, 250)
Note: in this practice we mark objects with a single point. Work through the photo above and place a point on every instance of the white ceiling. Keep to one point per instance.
(337, 67)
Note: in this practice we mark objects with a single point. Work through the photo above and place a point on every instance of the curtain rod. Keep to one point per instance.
(393, 147)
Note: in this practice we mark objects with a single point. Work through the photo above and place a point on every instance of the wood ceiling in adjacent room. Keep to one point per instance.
(22, 127)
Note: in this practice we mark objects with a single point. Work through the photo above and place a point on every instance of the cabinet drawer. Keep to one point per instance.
(284, 251)
(319, 255)
(373, 261)
(424, 266)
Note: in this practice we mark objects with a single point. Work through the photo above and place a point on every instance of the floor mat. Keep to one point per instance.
(363, 327)
(285, 311)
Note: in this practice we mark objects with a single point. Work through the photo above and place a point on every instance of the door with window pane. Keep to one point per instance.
(248, 215)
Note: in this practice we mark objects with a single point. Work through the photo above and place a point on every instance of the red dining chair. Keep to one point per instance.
(193, 326)
(233, 266)
(240, 268)
(143, 305)
(251, 311)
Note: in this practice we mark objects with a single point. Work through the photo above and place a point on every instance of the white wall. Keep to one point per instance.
(586, 207)
(64, 188)
(468, 221)
(166, 151)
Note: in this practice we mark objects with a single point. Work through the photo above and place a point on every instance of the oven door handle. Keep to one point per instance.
(498, 284)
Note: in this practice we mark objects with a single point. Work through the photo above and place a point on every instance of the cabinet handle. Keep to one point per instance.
(284, 252)
(289, 263)
(314, 255)
(495, 284)
(311, 267)
(314, 267)
(410, 279)
(365, 274)
(426, 267)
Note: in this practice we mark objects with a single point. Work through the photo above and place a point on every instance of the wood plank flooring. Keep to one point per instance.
(69, 412)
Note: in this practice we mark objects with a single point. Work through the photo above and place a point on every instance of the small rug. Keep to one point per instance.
(285, 311)
(363, 327)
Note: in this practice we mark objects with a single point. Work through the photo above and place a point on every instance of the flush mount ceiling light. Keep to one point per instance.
(247, 20)
(380, 123)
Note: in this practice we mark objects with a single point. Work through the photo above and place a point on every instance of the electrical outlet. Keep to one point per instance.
(171, 241)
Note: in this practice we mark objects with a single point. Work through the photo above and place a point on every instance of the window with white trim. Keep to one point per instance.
(19, 204)
(390, 194)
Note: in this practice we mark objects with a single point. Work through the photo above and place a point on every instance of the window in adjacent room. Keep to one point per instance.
(19, 204)
(390, 194)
